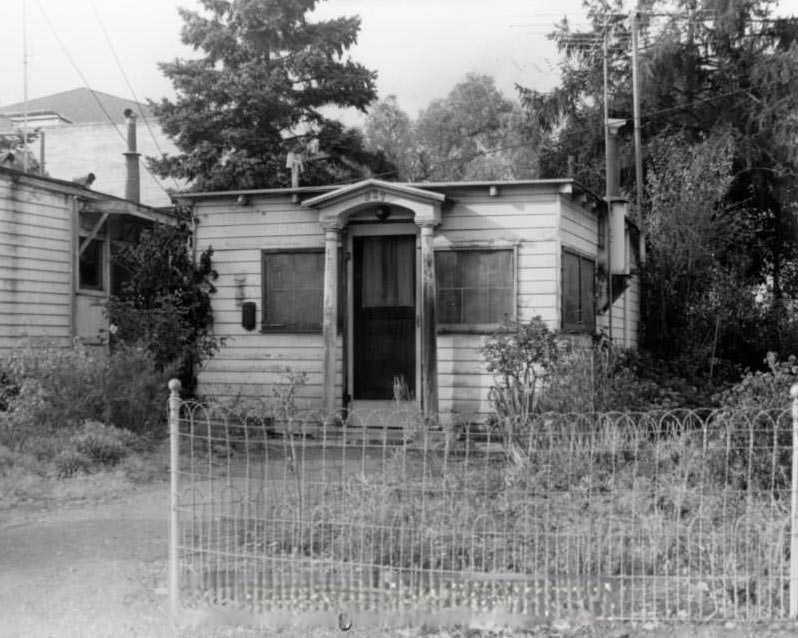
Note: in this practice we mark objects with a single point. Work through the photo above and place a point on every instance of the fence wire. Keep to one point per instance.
(389, 519)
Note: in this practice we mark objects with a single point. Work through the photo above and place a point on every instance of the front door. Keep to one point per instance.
(384, 345)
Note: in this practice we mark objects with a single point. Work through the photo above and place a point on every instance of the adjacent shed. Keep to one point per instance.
(56, 239)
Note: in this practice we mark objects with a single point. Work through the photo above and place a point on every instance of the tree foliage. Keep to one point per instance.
(258, 93)
(718, 92)
(475, 132)
(165, 302)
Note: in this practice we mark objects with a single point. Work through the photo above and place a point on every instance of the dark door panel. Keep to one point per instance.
(384, 315)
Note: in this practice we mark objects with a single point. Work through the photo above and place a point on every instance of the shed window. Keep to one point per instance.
(90, 271)
(578, 293)
(475, 287)
(293, 282)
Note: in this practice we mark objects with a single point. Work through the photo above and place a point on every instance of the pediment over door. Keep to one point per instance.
(336, 207)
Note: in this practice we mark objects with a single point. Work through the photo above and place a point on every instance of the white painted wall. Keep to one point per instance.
(35, 264)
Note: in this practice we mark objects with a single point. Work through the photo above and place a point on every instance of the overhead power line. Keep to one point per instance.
(130, 86)
(85, 81)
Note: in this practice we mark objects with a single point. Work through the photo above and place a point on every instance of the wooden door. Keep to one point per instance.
(384, 314)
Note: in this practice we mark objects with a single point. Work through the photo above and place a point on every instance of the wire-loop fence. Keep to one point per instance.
(389, 519)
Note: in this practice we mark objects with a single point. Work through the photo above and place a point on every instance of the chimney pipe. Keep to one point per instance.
(132, 184)
(613, 185)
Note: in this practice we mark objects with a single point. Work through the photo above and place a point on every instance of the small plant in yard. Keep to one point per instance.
(520, 358)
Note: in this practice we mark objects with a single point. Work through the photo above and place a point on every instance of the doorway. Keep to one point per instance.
(384, 317)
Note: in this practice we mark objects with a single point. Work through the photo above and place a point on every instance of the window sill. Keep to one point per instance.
(469, 329)
(289, 330)
(91, 292)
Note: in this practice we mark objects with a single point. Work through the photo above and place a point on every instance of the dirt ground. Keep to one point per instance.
(97, 569)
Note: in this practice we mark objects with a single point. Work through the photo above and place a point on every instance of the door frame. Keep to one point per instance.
(383, 229)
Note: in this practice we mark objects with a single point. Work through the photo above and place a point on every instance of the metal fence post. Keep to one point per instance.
(794, 507)
(174, 442)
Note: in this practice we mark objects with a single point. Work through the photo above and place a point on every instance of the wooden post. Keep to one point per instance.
(330, 317)
(174, 460)
(429, 341)
(794, 510)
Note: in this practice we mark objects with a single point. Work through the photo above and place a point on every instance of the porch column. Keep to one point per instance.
(429, 340)
(330, 316)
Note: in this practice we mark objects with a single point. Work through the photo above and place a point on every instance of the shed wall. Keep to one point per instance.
(35, 264)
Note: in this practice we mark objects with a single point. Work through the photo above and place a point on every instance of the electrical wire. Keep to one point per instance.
(130, 86)
(91, 91)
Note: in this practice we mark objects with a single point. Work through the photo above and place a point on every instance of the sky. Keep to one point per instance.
(419, 48)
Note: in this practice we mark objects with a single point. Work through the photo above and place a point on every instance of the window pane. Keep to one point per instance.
(475, 286)
(388, 272)
(476, 305)
(587, 294)
(501, 304)
(446, 269)
(293, 289)
(449, 305)
(570, 290)
(91, 271)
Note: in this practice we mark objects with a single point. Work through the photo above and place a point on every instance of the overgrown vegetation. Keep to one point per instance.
(164, 304)
(76, 411)
(718, 89)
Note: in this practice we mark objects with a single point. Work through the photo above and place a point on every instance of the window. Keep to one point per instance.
(293, 282)
(578, 292)
(475, 287)
(90, 270)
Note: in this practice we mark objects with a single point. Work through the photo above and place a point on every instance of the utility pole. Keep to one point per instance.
(636, 124)
(608, 178)
(25, 86)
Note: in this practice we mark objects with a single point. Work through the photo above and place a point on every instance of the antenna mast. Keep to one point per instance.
(24, 87)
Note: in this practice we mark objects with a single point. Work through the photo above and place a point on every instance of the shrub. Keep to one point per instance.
(520, 357)
(756, 441)
(136, 390)
(54, 390)
(70, 462)
(102, 444)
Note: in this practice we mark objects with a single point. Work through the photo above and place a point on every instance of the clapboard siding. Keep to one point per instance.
(578, 227)
(251, 364)
(35, 264)
(535, 221)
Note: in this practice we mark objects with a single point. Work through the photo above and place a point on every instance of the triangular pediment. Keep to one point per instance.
(335, 207)
(375, 190)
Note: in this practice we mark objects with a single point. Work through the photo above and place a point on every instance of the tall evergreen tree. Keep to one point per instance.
(258, 93)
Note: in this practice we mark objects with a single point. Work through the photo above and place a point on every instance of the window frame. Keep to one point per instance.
(478, 328)
(293, 328)
(101, 285)
(579, 327)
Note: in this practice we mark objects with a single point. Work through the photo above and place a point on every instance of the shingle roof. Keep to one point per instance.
(80, 106)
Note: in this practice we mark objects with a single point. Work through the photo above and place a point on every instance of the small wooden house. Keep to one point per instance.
(367, 286)
(55, 268)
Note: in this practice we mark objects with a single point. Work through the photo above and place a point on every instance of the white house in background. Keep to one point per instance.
(56, 239)
(84, 131)
(362, 284)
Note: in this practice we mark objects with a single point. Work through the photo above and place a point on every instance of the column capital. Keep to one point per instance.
(427, 224)
(331, 227)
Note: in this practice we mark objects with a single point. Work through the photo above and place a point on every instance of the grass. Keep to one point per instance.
(666, 519)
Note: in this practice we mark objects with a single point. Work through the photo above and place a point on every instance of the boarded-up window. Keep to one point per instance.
(293, 283)
(475, 287)
(91, 265)
(578, 293)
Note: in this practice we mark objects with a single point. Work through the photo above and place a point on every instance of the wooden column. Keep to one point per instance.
(330, 316)
(429, 341)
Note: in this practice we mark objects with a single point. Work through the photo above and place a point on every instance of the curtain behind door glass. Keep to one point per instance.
(388, 272)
